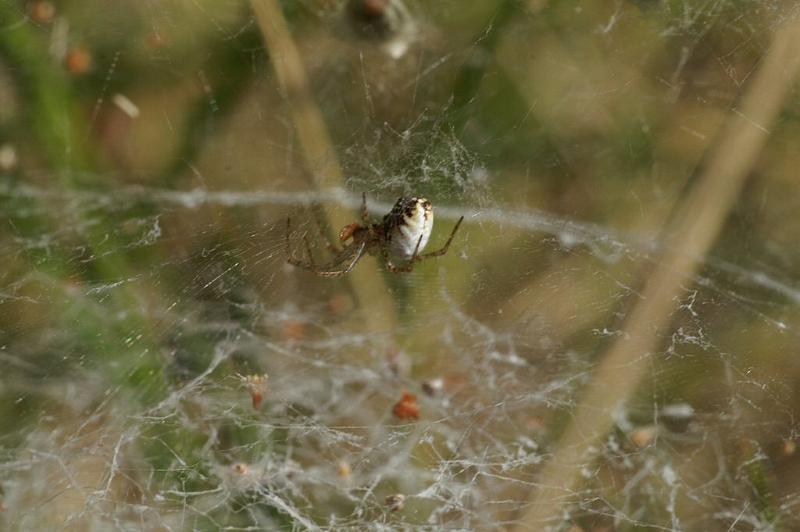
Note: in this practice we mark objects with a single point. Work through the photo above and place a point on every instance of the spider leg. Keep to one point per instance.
(446, 246)
(391, 267)
(342, 264)
(344, 261)
(290, 258)
(308, 252)
(289, 254)
(323, 235)
(415, 256)
(356, 257)
(333, 269)
(364, 212)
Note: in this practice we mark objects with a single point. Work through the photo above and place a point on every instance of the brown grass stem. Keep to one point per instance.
(367, 285)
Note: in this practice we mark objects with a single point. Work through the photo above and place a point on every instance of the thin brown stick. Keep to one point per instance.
(695, 229)
(367, 285)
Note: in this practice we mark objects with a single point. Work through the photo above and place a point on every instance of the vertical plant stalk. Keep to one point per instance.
(368, 286)
(696, 226)
(53, 118)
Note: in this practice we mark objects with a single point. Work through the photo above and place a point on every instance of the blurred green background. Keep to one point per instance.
(150, 153)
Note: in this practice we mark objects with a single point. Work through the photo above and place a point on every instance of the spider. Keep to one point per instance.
(402, 234)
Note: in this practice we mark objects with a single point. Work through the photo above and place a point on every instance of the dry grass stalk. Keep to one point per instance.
(696, 226)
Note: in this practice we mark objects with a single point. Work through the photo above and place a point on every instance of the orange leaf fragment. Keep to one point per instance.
(406, 408)
(256, 385)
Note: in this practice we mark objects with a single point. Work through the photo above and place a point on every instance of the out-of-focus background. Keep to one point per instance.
(151, 152)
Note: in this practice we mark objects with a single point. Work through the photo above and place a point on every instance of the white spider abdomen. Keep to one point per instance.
(409, 223)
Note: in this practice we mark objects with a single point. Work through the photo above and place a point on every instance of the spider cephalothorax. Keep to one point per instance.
(402, 234)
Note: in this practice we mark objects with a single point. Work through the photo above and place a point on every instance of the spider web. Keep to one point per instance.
(141, 300)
